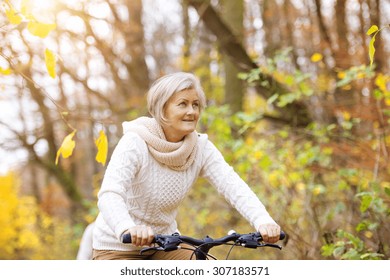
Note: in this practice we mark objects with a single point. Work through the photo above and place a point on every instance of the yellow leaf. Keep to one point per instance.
(341, 75)
(347, 87)
(368, 234)
(316, 57)
(387, 102)
(381, 81)
(67, 146)
(361, 75)
(371, 50)
(372, 29)
(102, 146)
(40, 29)
(50, 60)
(13, 16)
(5, 71)
(346, 115)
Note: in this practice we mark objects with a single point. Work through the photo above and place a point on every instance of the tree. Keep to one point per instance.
(233, 12)
(296, 113)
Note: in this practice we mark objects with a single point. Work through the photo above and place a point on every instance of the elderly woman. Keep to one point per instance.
(153, 167)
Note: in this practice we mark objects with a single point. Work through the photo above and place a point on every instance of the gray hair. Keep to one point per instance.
(163, 88)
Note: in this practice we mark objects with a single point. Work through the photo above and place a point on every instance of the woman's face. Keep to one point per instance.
(182, 114)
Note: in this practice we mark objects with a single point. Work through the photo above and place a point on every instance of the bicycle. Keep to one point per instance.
(201, 247)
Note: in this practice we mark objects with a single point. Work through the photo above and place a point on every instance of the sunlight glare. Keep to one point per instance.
(42, 10)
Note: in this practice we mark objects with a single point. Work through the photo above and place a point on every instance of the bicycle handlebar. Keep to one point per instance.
(246, 240)
(202, 246)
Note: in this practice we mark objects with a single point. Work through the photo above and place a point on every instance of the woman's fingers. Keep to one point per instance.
(270, 232)
(141, 235)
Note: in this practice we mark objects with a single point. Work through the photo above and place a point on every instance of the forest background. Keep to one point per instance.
(298, 102)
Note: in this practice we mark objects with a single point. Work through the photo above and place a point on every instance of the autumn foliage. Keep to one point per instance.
(28, 232)
(324, 177)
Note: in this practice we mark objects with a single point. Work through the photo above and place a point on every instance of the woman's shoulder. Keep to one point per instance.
(205, 145)
(133, 140)
(203, 139)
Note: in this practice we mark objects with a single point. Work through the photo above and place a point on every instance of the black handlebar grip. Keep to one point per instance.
(126, 238)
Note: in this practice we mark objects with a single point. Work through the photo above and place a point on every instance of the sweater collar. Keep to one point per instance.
(177, 156)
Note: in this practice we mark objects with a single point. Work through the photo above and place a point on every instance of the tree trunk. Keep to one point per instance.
(233, 15)
(134, 34)
(342, 57)
(270, 15)
(186, 36)
(296, 113)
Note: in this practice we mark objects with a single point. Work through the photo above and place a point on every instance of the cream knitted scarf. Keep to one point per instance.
(177, 156)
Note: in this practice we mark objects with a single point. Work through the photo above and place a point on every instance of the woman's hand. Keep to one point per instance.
(270, 232)
(141, 235)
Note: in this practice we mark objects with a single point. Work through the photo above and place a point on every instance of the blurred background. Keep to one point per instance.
(294, 104)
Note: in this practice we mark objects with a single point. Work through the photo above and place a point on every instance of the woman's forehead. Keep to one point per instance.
(189, 94)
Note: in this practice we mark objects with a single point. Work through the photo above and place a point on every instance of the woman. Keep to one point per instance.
(154, 165)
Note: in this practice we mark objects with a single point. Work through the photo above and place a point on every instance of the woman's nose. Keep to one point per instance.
(190, 110)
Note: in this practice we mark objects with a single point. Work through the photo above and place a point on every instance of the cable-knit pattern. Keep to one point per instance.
(139, 190)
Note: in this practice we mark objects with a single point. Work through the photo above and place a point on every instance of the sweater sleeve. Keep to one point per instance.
(228, 183)
(121, 170)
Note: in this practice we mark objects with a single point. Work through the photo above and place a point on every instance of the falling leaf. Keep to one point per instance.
(102, 146)
(67, 146)
(13, 16)
(316, 57)
(40, 29)
(50, 60)
(372, 29)
(5, 71)
(371, 50)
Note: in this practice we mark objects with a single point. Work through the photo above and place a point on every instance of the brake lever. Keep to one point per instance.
(270, 245)
(151, 249)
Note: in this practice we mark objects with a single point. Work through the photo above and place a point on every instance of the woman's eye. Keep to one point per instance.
(195, 105)
(182, 104)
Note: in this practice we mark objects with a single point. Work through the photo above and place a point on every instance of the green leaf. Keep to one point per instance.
(378, 95)
(337, 252)
(387, 191)
(361, 226)
(265, 162)
(372, 256)
(272, 98)
(366, 200)
(242, 76)
(287, 99)
(348, 172)
(327, 250)
(352, 254)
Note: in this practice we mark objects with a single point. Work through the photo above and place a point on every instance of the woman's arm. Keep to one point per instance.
(124, 164)
(228, 183)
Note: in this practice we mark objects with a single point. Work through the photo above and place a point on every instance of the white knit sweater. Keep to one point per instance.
(138, 190)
